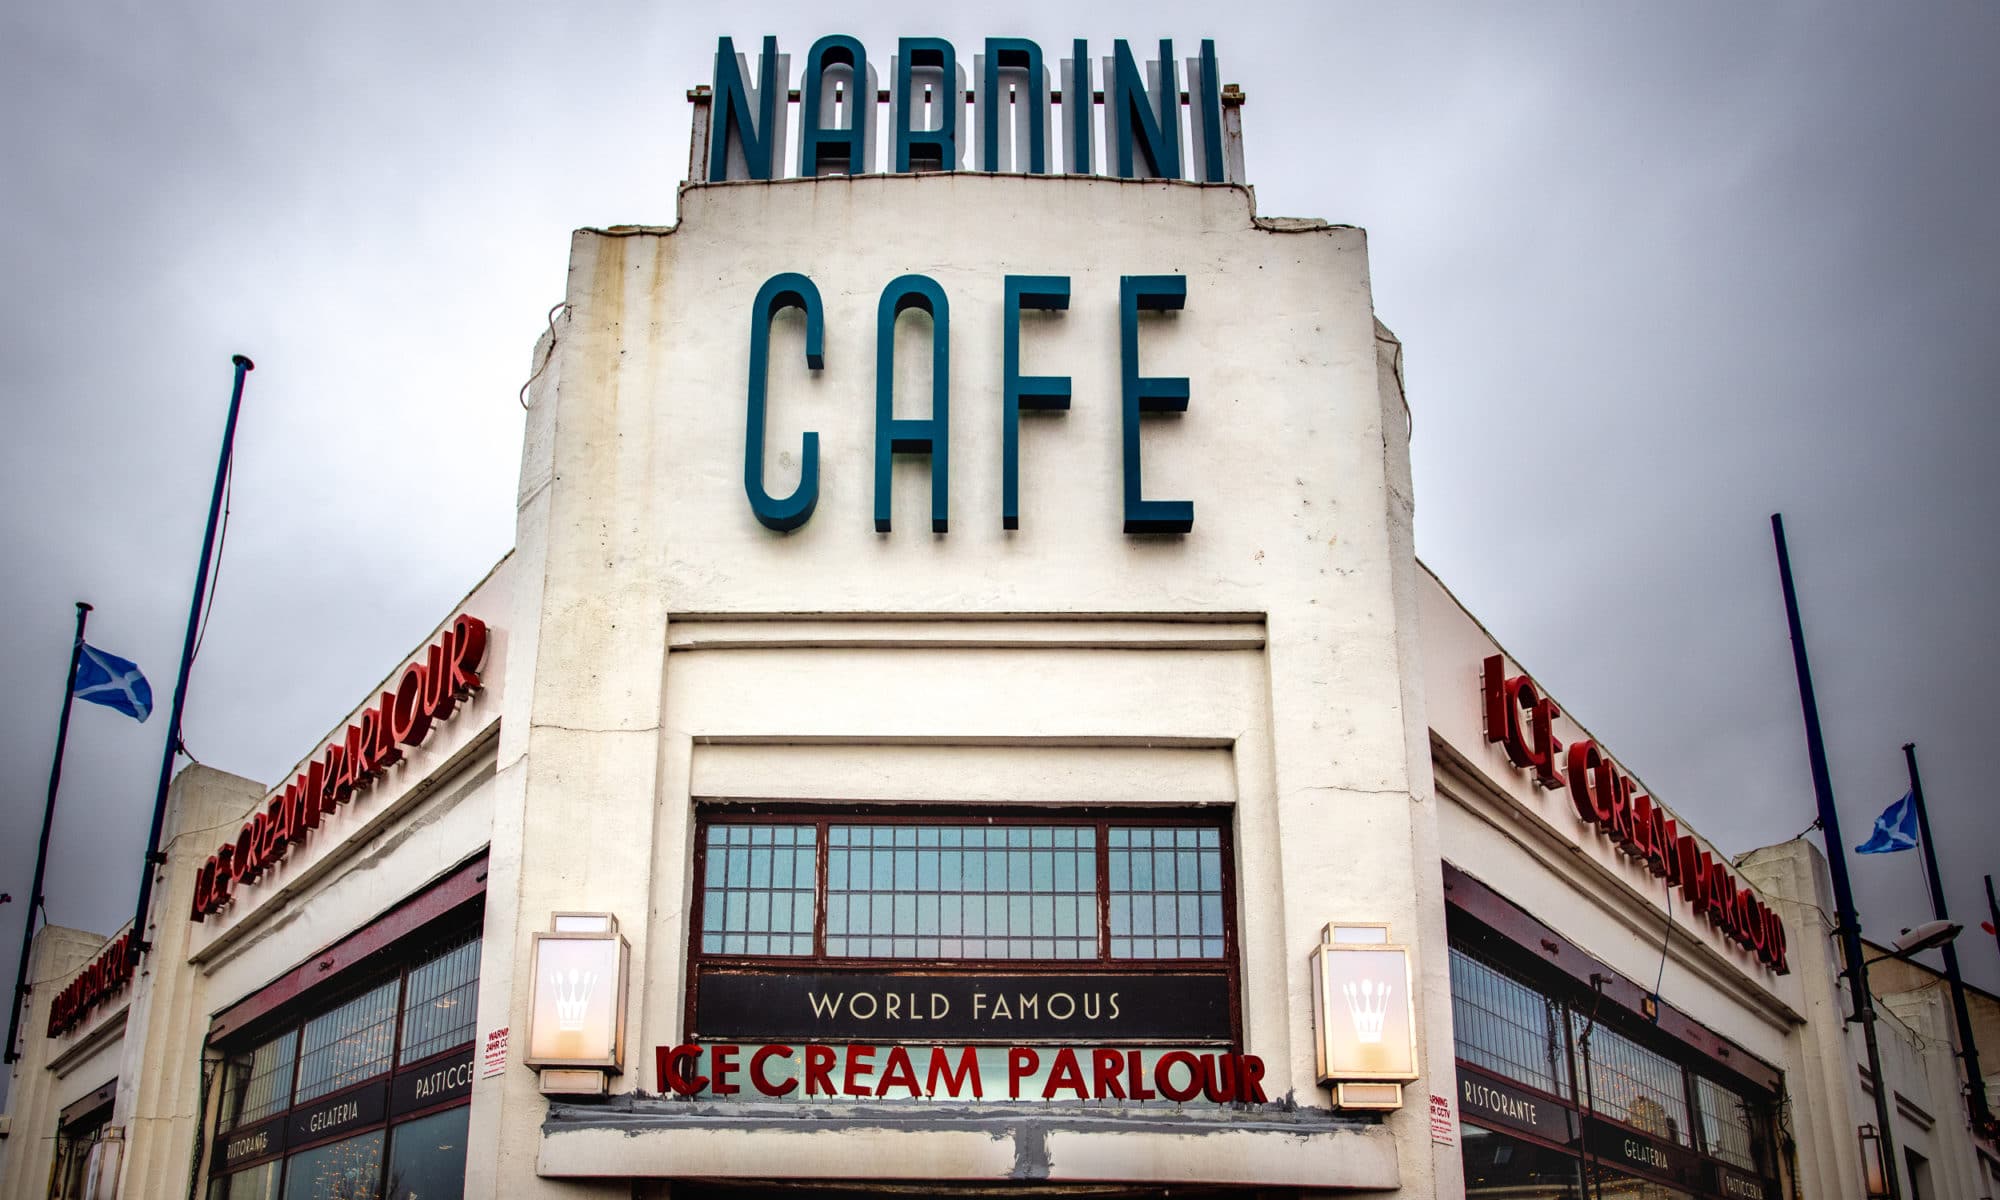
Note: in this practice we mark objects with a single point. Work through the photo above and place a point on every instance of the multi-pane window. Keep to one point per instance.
(439, 1008)
(1504, 1025)
(349, 1044)
(952, 890)
(1512, 1023)
(1728, 1127)
(1166, 893)
(261, 1081)
(1630, 1083)
(759, 889)
(402, 1027)
(961, 891)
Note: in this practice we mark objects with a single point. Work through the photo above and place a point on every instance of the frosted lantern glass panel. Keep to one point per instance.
(576, 1000)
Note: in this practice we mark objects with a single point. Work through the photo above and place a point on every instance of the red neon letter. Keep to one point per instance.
(667, 1065)
(1065, 1073)
(1021, 1063)
(968, 1067)
(758, 1079)
(819, 1071)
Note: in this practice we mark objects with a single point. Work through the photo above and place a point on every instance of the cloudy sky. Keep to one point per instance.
(1660, 270)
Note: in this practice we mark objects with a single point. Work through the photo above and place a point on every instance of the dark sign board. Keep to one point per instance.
(251, 1144)
(435, 1083)
(837, 1006)
(1488, 1100)
(334, 1115)
(1627, 1148)
(1740, 1185)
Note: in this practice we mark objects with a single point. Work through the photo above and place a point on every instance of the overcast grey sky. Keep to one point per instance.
(1660, 270)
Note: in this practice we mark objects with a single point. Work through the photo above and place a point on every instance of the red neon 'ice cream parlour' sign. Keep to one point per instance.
(1522, 720)
(429, 690)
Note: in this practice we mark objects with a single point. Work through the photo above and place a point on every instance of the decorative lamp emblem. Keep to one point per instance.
(572, 994)
(1368, 1005)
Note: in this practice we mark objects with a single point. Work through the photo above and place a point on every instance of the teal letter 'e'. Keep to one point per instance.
(931, 435)
(1042, 393)
(1148, 394)
(781, 292)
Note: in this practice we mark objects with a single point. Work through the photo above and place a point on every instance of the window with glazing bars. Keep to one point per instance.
(1630, 1083)
(962, 891)
(1728, 1128)
(1506, 1026)
(262, 1080)
(349, 1044)
(440, 1002)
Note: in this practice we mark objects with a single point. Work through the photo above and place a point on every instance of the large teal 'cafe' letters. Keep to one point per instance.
(1141, 128)
(1139, 395)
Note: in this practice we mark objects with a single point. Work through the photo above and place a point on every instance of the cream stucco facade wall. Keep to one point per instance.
(670, 650)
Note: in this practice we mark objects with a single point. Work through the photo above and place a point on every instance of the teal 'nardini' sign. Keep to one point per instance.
(1013, 104)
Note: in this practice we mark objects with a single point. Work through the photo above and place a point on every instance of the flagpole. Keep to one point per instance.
(1968, 1048)
(48, 821)
(1836, 862)
(154, 858)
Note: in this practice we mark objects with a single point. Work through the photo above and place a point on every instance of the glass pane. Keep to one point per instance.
(349, 1170)
(352, 1043)
(1166, 886)
(440, 1003)
(257, 1183)
(1632, 1084)
(1504, 1025)
(764, 886)
(427, 1157)
(962, 891)
(1731, 1129)
(1498, 1165)
(260, 1082)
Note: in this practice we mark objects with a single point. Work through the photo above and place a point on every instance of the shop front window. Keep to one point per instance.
(427, 1157)
(1506, 1026)
(1498, 1165)
(1629, 1083)
(260, 1081)
(1731, 1129)
(364, 1099)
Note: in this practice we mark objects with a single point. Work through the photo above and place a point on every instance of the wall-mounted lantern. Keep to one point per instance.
(576, 1031)
(1873, 1171)
(1364, 1012)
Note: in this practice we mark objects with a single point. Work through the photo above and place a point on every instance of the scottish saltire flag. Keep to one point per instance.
(1895, 829)
(114, 682)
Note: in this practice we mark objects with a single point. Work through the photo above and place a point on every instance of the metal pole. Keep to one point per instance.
(1968, 1049)
(1992, 910)
(154, 859)
(48, 821)
(1836, 861)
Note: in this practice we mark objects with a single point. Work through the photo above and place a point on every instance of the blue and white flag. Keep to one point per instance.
(1895, 829)
(114, 682)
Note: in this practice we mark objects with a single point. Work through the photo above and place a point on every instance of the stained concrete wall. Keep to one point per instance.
(657, 618)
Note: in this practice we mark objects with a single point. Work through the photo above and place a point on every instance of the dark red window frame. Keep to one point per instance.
(1098, 817)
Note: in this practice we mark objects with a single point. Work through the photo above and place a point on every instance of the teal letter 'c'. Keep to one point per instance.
(1153, 123)
(843, 147)
(732, 111)
(781, 292)
(1148, 394)
(931, 435)
(930, 149)
(1042, 393)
